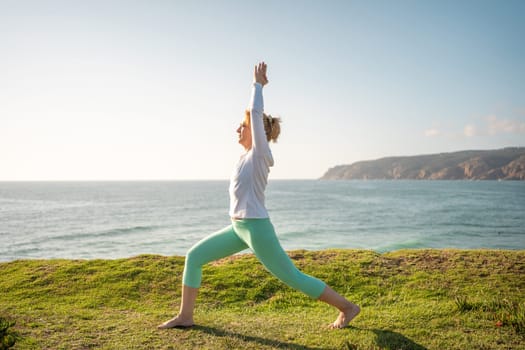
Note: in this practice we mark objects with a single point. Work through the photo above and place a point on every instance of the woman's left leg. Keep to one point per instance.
(260, 235)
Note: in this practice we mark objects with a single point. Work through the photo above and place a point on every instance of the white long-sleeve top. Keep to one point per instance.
(250, 175)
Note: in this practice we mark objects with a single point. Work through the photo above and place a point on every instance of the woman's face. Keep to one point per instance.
(245, 135)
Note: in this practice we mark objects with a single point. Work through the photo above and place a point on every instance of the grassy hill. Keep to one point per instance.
(500, 164)
(411, 299)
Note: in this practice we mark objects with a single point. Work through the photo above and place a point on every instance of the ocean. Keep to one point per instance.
(88, 220)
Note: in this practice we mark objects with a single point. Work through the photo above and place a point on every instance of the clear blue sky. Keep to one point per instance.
(94, 90)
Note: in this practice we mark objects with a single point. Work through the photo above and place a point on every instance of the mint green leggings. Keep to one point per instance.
(258, 235)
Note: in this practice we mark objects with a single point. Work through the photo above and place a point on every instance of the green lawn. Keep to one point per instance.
(410, 299)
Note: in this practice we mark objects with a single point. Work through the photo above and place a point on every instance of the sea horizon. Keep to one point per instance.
(115, 219)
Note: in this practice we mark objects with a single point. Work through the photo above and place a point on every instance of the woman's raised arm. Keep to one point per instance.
(259, 141)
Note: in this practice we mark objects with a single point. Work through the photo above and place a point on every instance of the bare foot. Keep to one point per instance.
(177, 322)
(346, 316)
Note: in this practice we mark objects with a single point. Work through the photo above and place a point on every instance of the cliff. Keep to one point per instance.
(501, 164)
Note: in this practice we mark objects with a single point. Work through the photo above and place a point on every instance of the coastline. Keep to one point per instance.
(291, 252)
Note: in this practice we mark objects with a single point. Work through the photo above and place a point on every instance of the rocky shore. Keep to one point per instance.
(501, 164)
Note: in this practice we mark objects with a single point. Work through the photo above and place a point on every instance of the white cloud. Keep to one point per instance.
(505, 126)
(470, 130)
(492, 125)
(432, 132)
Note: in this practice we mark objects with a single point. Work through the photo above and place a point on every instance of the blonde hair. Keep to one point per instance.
(272, 125)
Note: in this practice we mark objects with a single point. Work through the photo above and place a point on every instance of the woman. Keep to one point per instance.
(251, 226)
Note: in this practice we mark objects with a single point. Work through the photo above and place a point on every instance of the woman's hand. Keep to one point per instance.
(259, 74)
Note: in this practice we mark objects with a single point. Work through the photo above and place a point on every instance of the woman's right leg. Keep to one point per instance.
(218, 245)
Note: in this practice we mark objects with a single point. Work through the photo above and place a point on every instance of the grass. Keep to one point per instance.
(410, 299)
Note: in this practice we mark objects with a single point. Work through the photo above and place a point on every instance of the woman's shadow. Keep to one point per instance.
(385, 339)
(251, 339)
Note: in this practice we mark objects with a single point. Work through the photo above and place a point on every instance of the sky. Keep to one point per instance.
(154, 90)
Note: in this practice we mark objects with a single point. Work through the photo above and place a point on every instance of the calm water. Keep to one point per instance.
(122, 219)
